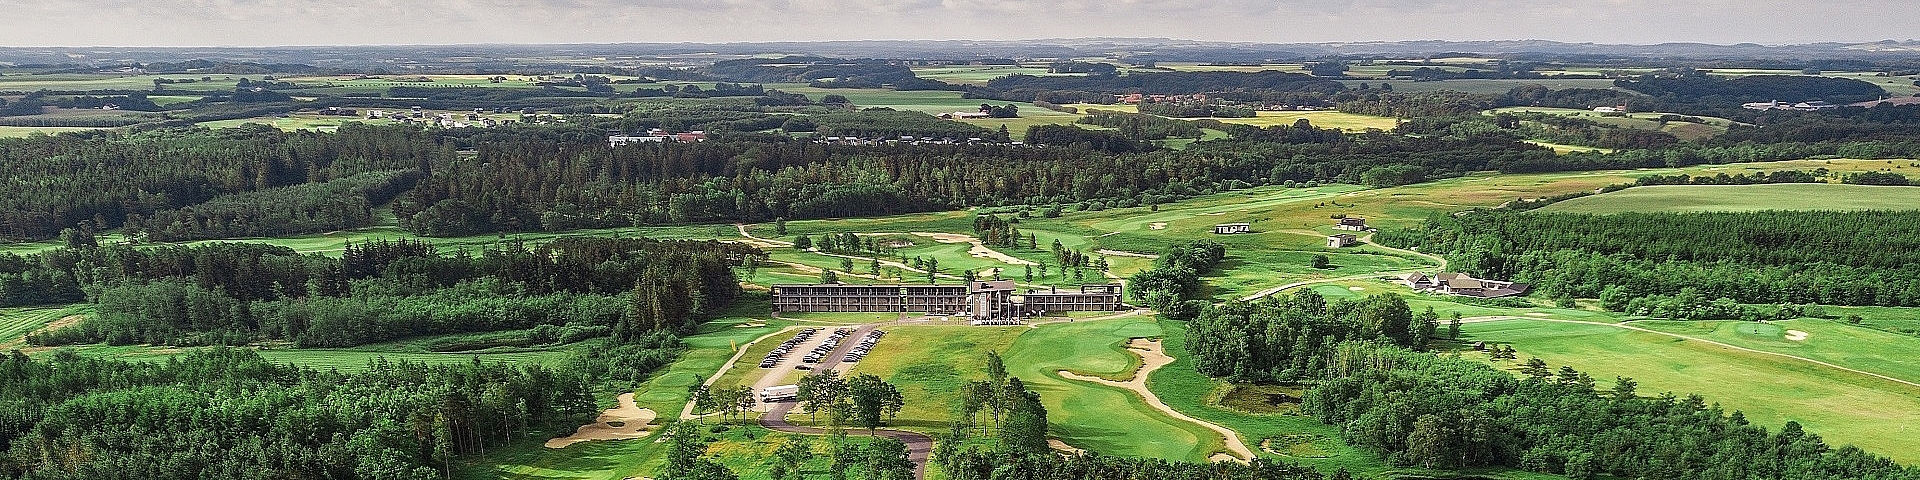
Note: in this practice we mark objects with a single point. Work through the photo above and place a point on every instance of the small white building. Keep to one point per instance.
(1356, 224)
(1232, 228)
(1342, 240)
(618, 140)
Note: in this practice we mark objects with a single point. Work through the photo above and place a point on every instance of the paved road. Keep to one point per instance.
(919, 446)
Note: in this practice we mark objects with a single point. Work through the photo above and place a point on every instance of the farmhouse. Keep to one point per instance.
(1342, 240)
(1356, 224)
(1232, 228)
(983, 301)
(955, 115)
(1463, 285)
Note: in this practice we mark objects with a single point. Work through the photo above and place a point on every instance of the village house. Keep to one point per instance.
(1463, 285)
(1342, 240)
(1232, 228)
(1356, 224)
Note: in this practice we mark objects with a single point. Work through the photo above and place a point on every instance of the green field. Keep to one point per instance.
(1266, 118)
(1688, 131)
(16, 132)
(978, 74)
(17, 322)
(1744, 198)
(1843, 407)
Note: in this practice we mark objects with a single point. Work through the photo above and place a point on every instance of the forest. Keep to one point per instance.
(239, 293)
(1856, 258)
(228, 414)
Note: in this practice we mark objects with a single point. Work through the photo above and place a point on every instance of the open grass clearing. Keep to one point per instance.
(1744, 198)
(1875, 414)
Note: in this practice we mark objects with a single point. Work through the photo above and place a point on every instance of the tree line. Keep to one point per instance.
(1853, 258)
(237, 293)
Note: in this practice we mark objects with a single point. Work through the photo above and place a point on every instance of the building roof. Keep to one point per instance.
(1353, 221)
(1346, 236)
(1234, 225)
(991, 285)
(1414, 277)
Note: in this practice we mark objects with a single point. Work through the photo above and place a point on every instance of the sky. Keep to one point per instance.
(390, 22)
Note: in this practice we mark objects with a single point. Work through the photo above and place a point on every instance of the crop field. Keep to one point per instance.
(1492, 87)
(1845, 407)
(1319, 118)
(978, 74)
(1744, 198)
(17, 132)
(17, 322)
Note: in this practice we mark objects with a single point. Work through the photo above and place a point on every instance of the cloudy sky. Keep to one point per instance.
(360, 22)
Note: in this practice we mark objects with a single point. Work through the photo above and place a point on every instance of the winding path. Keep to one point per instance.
(1153, 358)
(1496, 318)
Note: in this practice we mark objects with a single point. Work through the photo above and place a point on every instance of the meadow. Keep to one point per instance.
(1743, 198)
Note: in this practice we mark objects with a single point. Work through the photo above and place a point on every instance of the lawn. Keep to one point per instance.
(1845, 408)
(978, 74)
(1099, 418)
(1744, 198)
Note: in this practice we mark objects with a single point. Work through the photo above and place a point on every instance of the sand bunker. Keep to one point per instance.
(1060, 446)
(1796, 335)
(631, 418)
(978, 250)
(1157, 225)
(1357, 289)
(1153, 357)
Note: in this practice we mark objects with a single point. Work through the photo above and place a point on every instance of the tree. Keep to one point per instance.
(846, 265)
(1321, 262)
(827, 276)
(873, 401)
(802, 243)
(686, 457)
(823, 392)
(1424, 328)
(1453, 327)
(996, 386)
(886, 459)
(1026, 427)
(780, 226)
(791, 454)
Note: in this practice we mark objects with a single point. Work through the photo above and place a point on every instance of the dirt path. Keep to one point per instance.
(978, 249)
(1496, 318)
(633, 422)
(1153, 358)
(1124, 253)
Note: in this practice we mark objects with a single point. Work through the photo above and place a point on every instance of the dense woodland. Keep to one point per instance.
(1854, 258)
(228, 414)
(238, 293)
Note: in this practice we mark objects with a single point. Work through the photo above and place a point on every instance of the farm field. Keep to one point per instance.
(979, 74)
(1846, 408)
(1686, 131)
(17, 322)
(1266, 118)
(1744, 198)
(16, 132)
